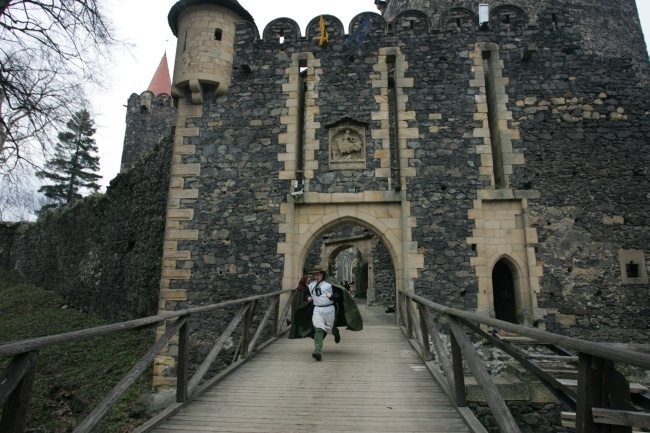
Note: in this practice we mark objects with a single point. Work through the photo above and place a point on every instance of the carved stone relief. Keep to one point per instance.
(347, 147)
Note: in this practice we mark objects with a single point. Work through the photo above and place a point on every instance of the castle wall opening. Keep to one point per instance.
(503, 289)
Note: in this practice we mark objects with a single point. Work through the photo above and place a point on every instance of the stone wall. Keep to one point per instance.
(571, 124)
(148, 120)
(7, 233)
(103, 253)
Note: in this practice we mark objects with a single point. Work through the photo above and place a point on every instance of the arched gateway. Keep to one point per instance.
(308, 222)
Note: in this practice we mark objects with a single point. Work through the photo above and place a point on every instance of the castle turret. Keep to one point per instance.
(204, 52)
(149, 117)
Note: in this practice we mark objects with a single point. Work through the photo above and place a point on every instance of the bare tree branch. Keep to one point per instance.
(49, 51)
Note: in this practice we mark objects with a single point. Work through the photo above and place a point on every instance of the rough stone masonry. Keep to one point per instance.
(502, 166)
(500, 163)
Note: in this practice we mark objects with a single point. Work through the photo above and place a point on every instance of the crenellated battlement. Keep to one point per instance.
(597, 21)
(146, 101)
(148, 119)
(609, 27)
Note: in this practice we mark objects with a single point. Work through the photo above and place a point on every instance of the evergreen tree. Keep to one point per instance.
(75, 163)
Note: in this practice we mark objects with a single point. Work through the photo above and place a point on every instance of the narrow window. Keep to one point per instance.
(302, 90)
(506, 20)
(632, 270)
(493, 120)
(554, 16)
(185, 42)
(458, 22)
(217, 34)
(281, 37)
(395, 173)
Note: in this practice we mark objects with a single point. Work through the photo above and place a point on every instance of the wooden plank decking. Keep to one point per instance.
(372, 381)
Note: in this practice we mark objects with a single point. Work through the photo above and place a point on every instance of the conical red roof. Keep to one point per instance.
(161, 83)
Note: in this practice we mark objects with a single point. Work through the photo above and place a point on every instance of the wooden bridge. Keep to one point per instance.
(373, 381)
(379, 379)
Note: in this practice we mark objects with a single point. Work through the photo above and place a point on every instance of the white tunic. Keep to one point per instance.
(324, 311)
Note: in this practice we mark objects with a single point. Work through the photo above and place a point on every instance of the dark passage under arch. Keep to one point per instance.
(503, 289)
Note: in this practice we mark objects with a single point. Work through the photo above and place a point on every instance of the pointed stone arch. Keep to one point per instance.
(523, 302)
(505, 287)
(306, 223)
(505, 233)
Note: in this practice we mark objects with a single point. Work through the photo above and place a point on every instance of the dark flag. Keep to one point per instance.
(360, 33)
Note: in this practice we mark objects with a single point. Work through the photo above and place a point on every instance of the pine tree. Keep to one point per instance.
(75, 163)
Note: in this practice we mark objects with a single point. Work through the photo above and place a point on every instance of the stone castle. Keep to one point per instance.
(491, 156)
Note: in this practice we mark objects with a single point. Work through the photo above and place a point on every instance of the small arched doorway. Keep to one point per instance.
(503, 289)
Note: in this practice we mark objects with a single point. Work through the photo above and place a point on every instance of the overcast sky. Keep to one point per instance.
(143, 23)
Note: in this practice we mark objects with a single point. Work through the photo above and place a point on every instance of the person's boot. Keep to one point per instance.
(319, 335)
(337, 335)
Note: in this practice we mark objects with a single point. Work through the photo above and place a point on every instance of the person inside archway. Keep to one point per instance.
(302, 291)
(329, 306)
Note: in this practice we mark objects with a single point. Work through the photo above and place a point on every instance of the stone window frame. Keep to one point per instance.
(633, 256)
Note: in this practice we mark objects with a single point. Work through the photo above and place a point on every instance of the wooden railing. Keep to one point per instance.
(17, 379)
(602, 399)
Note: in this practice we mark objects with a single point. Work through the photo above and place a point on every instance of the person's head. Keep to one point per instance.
(304, 282)
(318, 273)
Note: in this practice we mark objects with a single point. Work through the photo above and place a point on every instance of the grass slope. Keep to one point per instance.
(71, 379)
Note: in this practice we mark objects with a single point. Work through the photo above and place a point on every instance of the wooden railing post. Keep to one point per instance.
(182, 370)
(246, 332)
(14, 413)
(618, 395)
(276, 316)
(424, 329)
(599, 386)
(409, 317)
(401, 299)
(459, 374)
(590, 391)
(443, 359)
(495, 401)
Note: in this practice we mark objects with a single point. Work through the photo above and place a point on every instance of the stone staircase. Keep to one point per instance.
(519, 384)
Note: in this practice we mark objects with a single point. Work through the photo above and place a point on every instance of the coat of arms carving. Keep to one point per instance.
(347, 147)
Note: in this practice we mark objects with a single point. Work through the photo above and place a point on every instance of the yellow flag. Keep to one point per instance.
(324, 37)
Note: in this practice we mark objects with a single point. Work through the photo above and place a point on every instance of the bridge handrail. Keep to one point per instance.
(602, 350)
(21, 346)
(17, 379)
(600, 387)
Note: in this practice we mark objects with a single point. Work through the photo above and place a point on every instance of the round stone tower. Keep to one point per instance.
(609, 28)
(205, 30)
